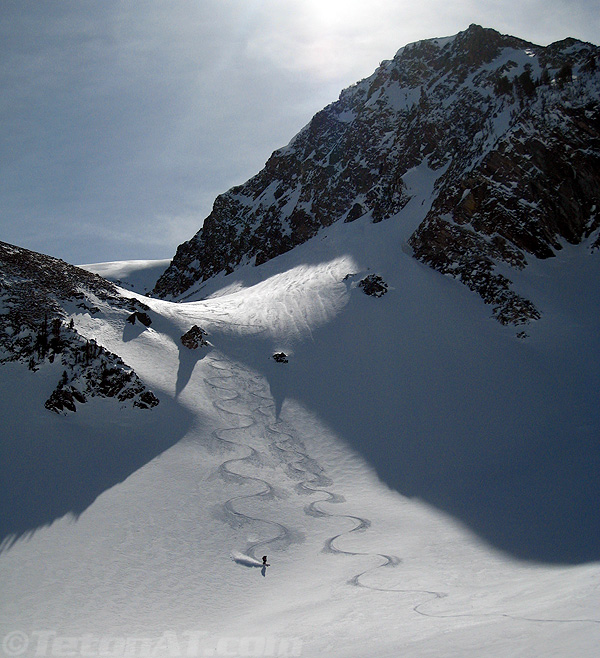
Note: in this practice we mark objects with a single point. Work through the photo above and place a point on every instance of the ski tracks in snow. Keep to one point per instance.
(311, 479)
(232, 436)
(314, 481)
(290, 451)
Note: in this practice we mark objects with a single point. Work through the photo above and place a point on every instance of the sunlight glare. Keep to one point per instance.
(336, 14)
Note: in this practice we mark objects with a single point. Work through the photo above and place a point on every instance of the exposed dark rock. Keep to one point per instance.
(92, 310)
(280, 357)
(194, 338)
(146, 400)
(94, 371)
(35, 291)
(141, 317)
(373, 285)
(60, 400)
(355, 212)
(510, 129)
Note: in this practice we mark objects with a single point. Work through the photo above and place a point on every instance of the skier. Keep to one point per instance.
(265, 561)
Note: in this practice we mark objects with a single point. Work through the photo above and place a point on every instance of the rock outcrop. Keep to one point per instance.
(141, 317)
(373, 285)
(509, 129)
(37, 295)
(194, 338)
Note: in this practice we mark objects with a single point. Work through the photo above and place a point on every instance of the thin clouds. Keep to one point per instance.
(120, 121)
(330, 38)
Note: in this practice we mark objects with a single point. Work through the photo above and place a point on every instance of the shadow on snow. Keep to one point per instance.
(56, 465)
(496, 433)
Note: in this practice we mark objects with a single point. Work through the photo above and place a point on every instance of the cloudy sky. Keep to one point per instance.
(121, 120)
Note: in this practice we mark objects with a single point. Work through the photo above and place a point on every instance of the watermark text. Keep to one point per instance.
(188, 644)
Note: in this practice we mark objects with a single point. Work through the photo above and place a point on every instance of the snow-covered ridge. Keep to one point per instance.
(136, 275)
(40, 299)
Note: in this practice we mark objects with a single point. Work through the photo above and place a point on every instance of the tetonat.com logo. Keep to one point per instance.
(190, 644)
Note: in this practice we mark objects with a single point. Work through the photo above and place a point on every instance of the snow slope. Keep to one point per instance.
(423, 481)
(137, 275)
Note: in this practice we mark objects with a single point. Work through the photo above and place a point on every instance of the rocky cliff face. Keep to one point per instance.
(511, 130)
(37, 295)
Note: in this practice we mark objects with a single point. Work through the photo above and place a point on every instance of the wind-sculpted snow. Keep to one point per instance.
(286, 307)
(510, 128)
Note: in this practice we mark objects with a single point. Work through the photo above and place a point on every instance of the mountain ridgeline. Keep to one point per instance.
(38, 294)
(509, 130)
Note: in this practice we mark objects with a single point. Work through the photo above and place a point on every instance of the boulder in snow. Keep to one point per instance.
(194, 338)
(373, 285)
(140, 316)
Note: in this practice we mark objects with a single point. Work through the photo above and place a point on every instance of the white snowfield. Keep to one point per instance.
(423, 482)
(137, 275)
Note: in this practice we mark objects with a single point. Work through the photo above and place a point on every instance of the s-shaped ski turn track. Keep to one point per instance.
(224, 382)
(310, 479)
(314, 481)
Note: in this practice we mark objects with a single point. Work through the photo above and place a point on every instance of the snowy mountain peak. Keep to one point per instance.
(509, 131)
(419, 481)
